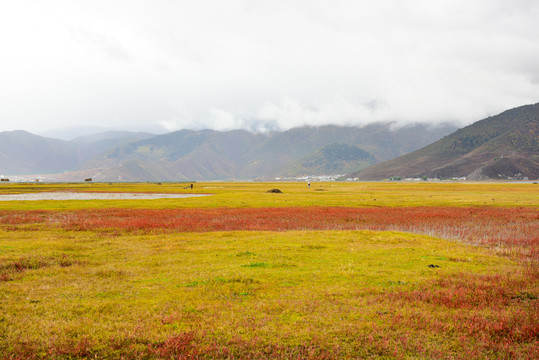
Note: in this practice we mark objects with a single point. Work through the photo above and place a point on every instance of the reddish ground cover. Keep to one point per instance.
(514, 231)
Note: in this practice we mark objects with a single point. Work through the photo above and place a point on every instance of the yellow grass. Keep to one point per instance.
(279, 287)
(294, 194)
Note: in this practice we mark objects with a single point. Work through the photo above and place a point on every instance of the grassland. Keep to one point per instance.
(341, 270)
(242, 195)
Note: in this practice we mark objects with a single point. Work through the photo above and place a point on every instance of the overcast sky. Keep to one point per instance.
(255, 64)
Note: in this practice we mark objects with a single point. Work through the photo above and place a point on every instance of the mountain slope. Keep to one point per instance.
(24, 153)
(498, 147)
(213, 155)
(113, 135)
(332, 159)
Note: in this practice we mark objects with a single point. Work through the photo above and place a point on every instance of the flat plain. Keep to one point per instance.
(340, 270)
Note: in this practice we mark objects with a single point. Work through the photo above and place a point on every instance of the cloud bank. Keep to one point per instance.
(262, 65)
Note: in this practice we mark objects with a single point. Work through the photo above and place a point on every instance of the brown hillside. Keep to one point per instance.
(504, 146)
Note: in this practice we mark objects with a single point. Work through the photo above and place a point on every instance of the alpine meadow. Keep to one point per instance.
(335, 270)
(269, 180)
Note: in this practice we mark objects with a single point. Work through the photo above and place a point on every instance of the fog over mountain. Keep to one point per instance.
(161, 66)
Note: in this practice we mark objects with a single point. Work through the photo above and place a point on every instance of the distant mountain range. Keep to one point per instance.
(212, 155)
(243, 155)
(24, 153)
(505, 146)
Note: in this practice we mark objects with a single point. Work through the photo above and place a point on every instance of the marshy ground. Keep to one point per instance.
(357, 270)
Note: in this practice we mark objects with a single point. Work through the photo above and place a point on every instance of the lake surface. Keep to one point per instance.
(93, 196)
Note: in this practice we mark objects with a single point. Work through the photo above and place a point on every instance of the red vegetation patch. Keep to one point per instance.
(467, 291)
(492, 314)
(514, 231)
(9, 269)
(465, 336)
(181, 346)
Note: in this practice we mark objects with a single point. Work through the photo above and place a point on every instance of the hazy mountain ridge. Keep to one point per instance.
(113, 135)
(332, 159)
(504, 146)
(498, 147)
(239, 154)
(24, 153)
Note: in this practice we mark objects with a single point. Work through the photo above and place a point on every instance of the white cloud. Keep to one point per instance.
(222, 120)
(98, 42)
(291, 113)
(169, 125)
(263, 64)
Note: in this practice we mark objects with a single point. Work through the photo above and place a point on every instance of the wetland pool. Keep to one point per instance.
(93, 196)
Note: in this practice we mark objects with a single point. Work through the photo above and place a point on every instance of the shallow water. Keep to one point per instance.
(93, 196)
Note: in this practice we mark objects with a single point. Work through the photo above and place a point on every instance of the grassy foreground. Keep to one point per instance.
(149, 279)
(343, 293)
